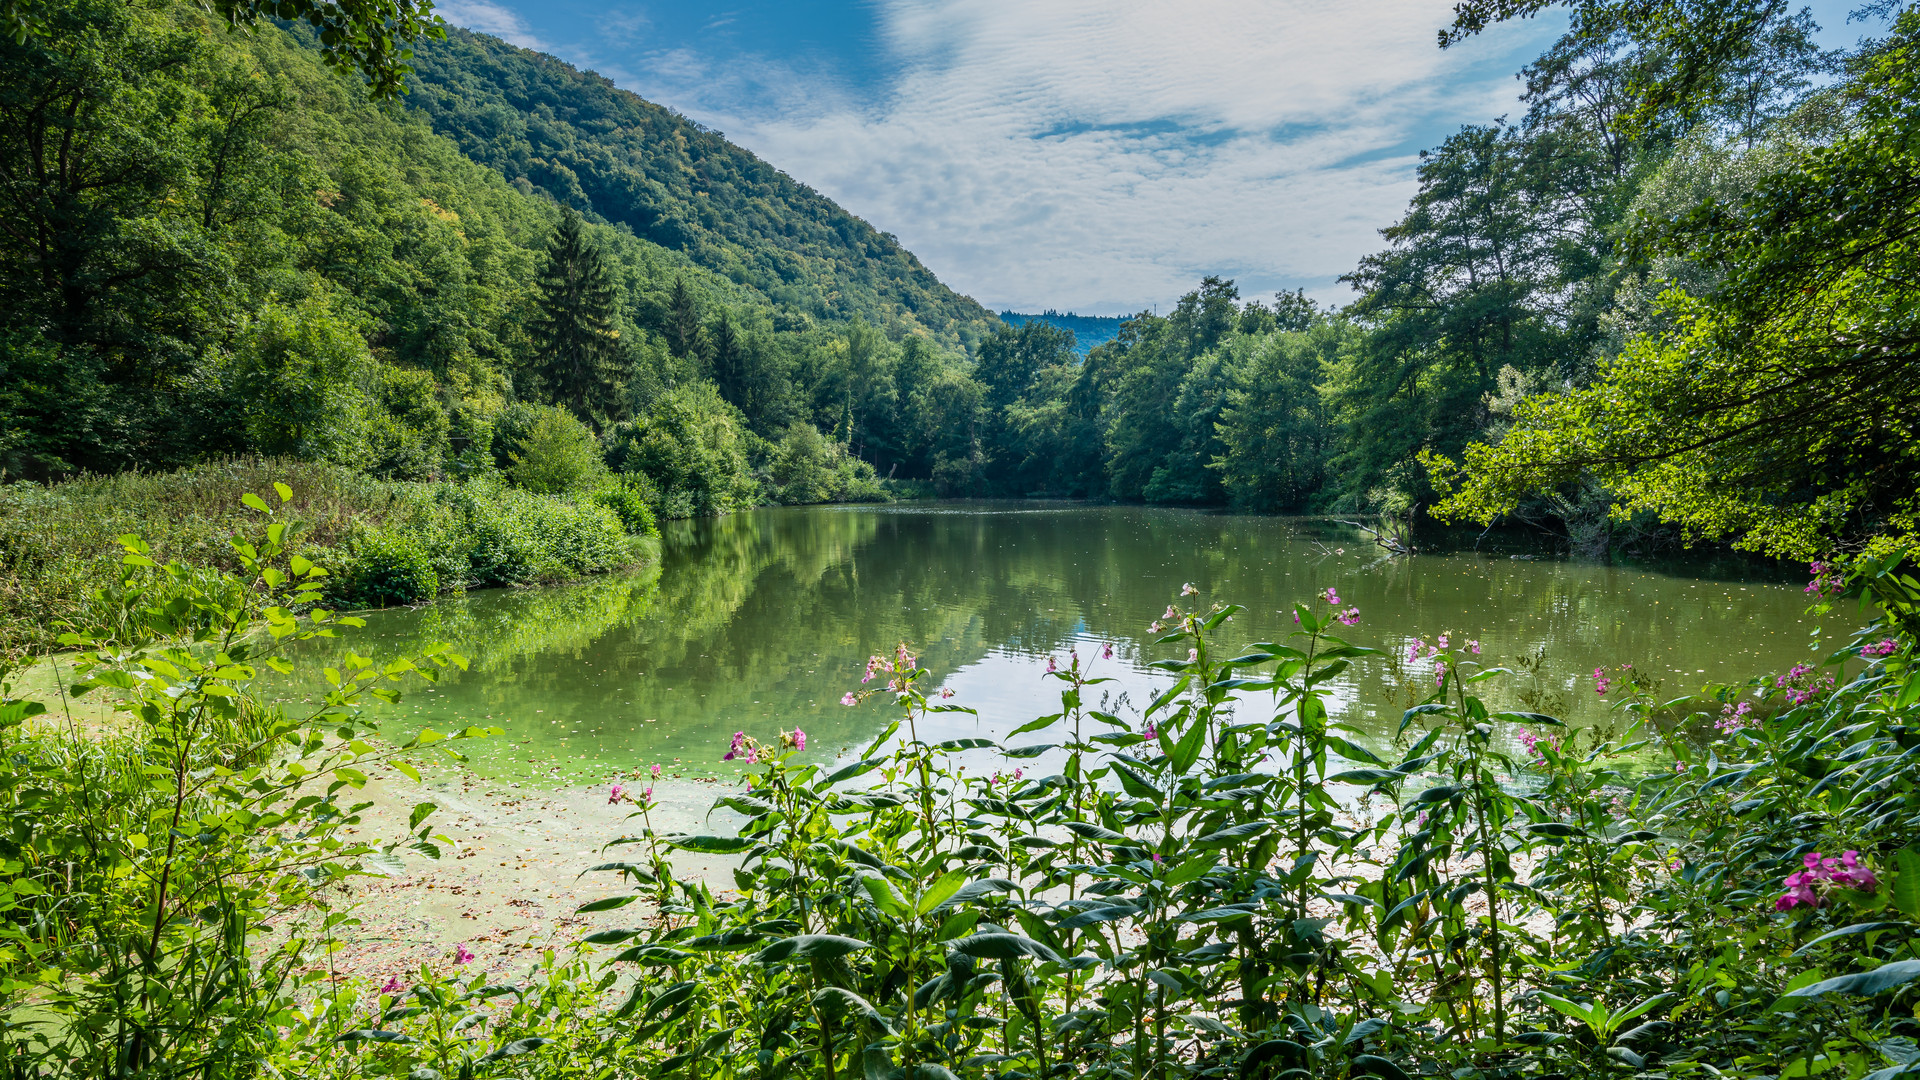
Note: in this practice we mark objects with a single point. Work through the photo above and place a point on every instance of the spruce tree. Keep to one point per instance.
(727, 357)
(575, 330)
(683, 322)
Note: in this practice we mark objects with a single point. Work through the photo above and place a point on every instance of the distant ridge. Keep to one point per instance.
(1089, 331)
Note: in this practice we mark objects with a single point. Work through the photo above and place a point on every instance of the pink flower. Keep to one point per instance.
(734, 751)
(1106, 652)
(946, 691)
(1051, 666)
(1332, 597)
(1349, 616)
(799, 739)
(1017, 773)
(849, 699)
(1154, 627)
(461, 955)
(392, 985)
(616, 793)
(647, 795)
(1152, 732)
(1170, 613)
(1441, 641)
(656, 772)
(1157, 858)
(1475, 646)
(1189, 590)
(1192, 655)
(1734, 717)
(1440, 673)
(1679, 766)
(1883, 648)
(1414, 649)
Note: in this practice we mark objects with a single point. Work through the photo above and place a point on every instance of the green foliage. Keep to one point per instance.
(574, 136)
(59, 544)
(1754, 406)
(689, 445)
(806, 467)
(557, 453)
(386, 569)
(575, 332)
(631, 498)
(144, 868)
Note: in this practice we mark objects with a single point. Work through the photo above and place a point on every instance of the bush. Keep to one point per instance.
(807, 467)
(384, 569)
(557, 454)
(59, 548)
(631, 499)
(691, 444)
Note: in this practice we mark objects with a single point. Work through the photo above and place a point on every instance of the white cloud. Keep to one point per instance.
(489, 17)
(1101, 155)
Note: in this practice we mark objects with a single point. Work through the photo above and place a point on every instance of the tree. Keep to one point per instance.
(370, 36)
(682, 329)
(727, 360)
(1773, 404)
(578, 344)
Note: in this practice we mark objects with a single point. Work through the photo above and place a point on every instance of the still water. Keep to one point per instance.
(761, 621)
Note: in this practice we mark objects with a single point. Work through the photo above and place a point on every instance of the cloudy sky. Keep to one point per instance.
(1088, 155)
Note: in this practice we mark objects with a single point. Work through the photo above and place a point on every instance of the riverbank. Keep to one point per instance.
(516, 870)
(382, 542)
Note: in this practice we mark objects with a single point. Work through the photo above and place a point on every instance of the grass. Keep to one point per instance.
(59, 544)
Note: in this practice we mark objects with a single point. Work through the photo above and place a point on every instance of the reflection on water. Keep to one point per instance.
(763, 620)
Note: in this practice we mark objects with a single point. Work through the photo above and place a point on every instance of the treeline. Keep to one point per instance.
(1512, 274)
(525, 272)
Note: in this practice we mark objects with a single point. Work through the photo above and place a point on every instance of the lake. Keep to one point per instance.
(761, 621)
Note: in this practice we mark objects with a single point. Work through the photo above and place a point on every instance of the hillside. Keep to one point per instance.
(586, 143)
(1089, 331)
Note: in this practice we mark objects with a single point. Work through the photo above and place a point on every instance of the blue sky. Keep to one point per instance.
(1096, 155)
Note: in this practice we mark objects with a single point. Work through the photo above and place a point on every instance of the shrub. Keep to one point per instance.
(556, 455)
(807, 467)
(691, 444)
(631, 499)
(385, 568)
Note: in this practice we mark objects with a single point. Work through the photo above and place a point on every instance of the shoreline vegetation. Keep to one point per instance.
(1220, 881)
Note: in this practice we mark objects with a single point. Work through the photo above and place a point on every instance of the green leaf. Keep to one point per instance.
(941, 890)
(1233, 834)
(1003, 947)
(1087, 830)
(809, 947)
(712, 845)
(1193, 868)
(1039, 724)
(1375, 1065)
(256, 502)
(420, 813)
(1367, 776)
(607, 904)
(838, 1002)
(1906, 878)
(1187, 750)
(1851, 931)
(1866, 983)
(964, 744)
(883, 894)
(974, 890)
(1171, 693)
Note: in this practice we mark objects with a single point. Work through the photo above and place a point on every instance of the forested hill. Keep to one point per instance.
(589, 144)
(1089, 331)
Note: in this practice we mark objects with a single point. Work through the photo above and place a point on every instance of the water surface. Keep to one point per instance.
(761, 621)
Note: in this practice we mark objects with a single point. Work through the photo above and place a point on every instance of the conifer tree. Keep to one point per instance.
(575, 328)
(683, 321)
(727, 358)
